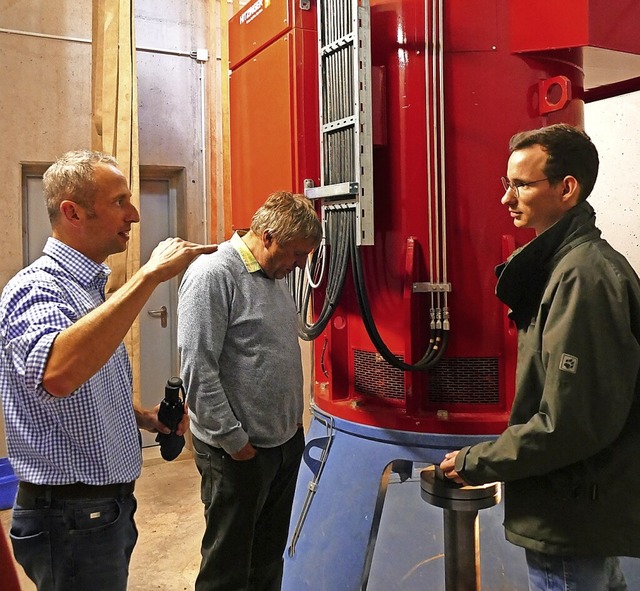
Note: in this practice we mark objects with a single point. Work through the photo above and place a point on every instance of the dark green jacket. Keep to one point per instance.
(570, 458)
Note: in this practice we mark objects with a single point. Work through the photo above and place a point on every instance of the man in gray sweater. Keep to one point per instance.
(241, 367)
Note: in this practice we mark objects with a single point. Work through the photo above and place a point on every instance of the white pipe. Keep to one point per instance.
(442, 147)
(188, 54)
(44, 36)
(437, 149)
(203, 149)
(427, 95)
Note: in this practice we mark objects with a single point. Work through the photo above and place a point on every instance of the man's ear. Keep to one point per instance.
(570, 190)
(71, 211)
(267, 238)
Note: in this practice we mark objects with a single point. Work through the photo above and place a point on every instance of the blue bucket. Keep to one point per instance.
(8, 484)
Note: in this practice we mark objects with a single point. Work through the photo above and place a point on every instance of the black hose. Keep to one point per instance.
(437, 343)
(338, 224)
(341, 233)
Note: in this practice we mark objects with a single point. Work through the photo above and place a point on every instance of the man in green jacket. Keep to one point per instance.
(570, 456)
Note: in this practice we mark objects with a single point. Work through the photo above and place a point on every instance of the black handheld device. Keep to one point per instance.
(170, 413)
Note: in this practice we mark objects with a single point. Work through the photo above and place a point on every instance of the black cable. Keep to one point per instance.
(341, 233)
(437, 343)
(337, 223)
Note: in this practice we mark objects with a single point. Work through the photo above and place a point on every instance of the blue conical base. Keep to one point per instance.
(360, 525)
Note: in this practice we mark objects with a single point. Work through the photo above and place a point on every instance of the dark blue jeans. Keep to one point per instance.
(574, 573)
(76, 545)
(247, 507)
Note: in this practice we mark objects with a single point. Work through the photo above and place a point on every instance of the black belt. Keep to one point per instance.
(30, 494)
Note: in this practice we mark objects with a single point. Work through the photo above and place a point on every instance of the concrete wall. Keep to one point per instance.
(45, 99)
(170, 97)
(45, 95)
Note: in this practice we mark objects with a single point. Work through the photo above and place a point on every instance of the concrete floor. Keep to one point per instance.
(170, 523)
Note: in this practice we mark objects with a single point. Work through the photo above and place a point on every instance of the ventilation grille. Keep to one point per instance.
(471, 380)
(466, 380)
(373, 376)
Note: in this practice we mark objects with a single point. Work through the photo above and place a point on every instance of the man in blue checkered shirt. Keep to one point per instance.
(65, 379)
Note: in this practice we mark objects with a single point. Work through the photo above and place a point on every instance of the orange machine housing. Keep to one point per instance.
(274, 103)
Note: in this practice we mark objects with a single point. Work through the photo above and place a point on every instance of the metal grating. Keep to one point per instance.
(373, 376)
(339, 157)
(346, 141)
(465, 380)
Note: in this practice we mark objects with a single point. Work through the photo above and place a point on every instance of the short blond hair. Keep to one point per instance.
(288, 216)
(71, 176)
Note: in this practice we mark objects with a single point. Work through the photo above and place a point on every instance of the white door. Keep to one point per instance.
(158, 351)
(35, 226)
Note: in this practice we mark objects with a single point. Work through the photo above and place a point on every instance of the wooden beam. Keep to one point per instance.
(115, 131)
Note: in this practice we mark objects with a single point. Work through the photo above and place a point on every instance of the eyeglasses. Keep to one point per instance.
(509, 185)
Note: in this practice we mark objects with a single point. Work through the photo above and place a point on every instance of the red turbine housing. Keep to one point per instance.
(506, 66)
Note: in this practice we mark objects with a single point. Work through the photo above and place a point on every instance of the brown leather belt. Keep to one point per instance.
(30, 494)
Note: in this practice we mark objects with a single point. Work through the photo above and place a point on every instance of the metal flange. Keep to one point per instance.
(447, 494)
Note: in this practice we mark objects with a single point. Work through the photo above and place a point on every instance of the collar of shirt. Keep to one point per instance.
(245, 253)
(87, 273)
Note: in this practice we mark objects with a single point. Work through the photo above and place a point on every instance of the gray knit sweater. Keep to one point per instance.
(239, 352)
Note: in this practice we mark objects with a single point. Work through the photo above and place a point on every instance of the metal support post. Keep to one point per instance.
(461, 539)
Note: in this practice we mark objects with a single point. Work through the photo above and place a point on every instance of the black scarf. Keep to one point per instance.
(523, 277)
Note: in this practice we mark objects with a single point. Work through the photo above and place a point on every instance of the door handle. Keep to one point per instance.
(160, 313)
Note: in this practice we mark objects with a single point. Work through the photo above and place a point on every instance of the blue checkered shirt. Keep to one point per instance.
(91, 435)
